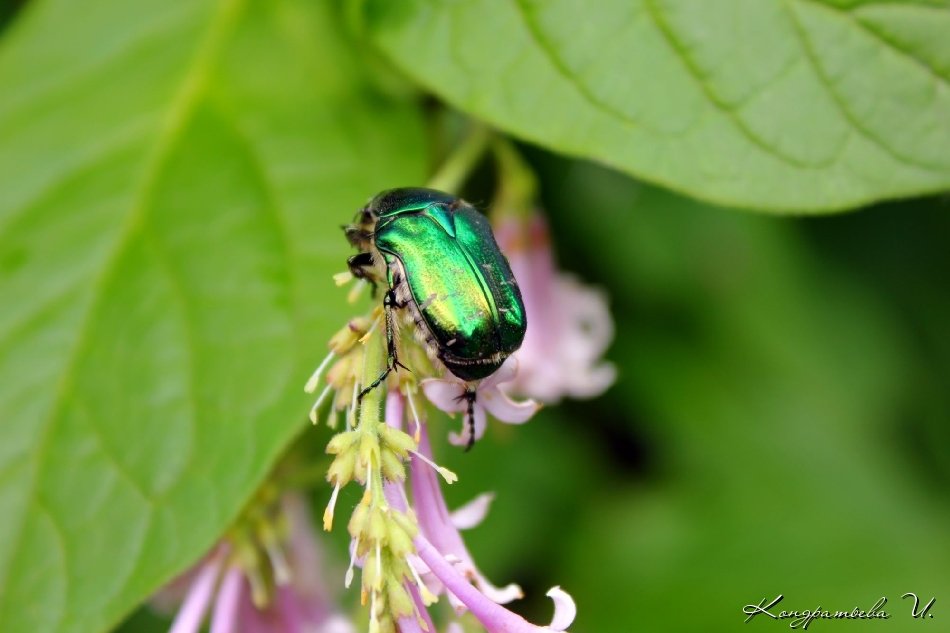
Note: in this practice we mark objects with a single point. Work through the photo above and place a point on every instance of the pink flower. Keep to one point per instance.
(494, 617)
(569, 325)
(219, 582)
(438, 527)
(442, 563)
(452, 396)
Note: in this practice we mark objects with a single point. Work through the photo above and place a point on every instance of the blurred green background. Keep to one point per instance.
(779, 424)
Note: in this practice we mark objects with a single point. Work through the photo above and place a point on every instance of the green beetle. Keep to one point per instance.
(439, 260)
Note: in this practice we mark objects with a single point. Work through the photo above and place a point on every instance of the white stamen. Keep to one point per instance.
(447, 475)
(328, 513)
(564, 609)
(341, 279)
(354, 293)
(427, 596)
(311, 385)
(415, 417)
(369, 332)
(278, 563)
(316, 405)
(348, 578)
(422, 623)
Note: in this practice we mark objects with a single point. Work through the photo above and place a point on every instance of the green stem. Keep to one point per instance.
(374, 364)
(456, 169)
(517, 185)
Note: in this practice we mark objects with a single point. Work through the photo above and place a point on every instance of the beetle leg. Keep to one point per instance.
(390, 304)
(359, 265)
(392, 358)
(470, 418)
(469, 396)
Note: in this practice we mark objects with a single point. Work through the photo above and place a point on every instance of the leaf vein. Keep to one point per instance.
(666, 31)
(842, 106)
(536, 35)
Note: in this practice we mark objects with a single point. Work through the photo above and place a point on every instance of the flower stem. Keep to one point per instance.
(374, 364)
(494, 617)
(455, 170)
(517, 185)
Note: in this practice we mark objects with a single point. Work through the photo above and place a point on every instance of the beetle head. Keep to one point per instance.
(360, 232)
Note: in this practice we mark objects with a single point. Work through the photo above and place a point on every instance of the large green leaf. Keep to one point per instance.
(809, 105)
(173, 176)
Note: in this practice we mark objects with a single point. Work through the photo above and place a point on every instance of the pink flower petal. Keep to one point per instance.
(505, 373)
(435, 523)
(459, 439)
(586, 310)
(505, 409)
(569, 323)
(169, 598)
(494, 617)
(501, 595)
(434, 584)
(291, 612)
(444, 394)
(480, 423)
(303, 552)
(225, 616)
(193, 609)
(394, 409)
(593, 382)
(410, 624)
(565, 610)
(429, 504)
(336, 623)
(473, 512)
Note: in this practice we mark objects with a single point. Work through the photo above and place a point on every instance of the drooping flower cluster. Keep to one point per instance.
(402, 537)
(569, 325)
(448, 395)
(443, 561)
(264, 576)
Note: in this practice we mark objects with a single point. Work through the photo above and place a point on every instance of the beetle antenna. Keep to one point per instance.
(470, 419)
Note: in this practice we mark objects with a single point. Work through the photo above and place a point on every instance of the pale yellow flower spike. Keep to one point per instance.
(328, 513)
(341, 279)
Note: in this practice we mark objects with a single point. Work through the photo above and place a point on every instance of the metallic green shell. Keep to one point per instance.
(458, 279)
